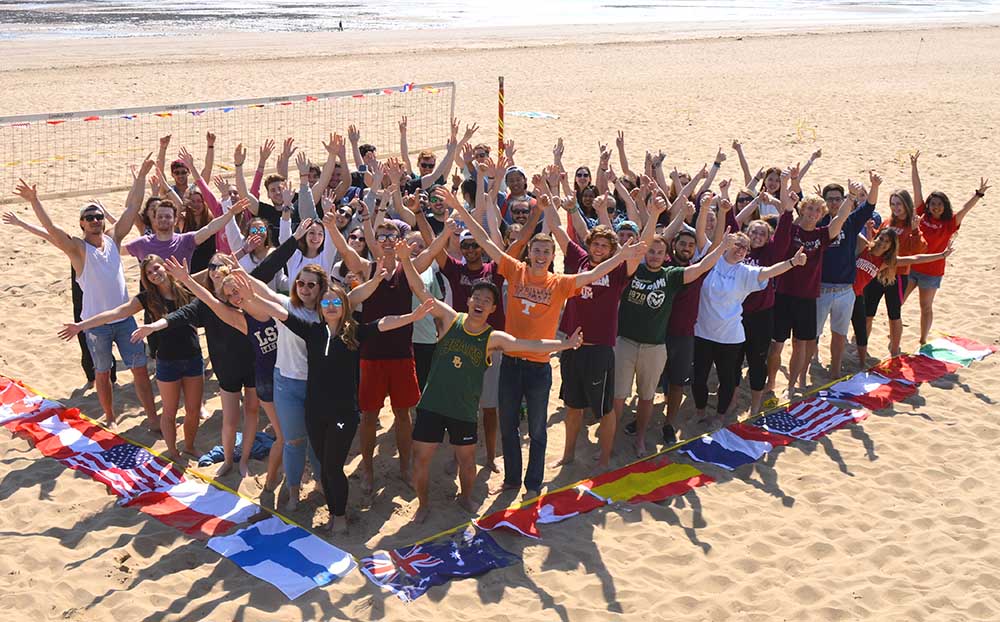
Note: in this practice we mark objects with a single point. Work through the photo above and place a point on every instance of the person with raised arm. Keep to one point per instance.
(96, 258)
(179, 364)
(798, 289)
(315, 247)
(450, 398)
(331, 408)
(938, 223)
(430, 173)
(836, 288)
(718, 333)
(387, 364)
(535, 298)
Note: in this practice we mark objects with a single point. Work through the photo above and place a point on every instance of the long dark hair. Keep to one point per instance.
(887, 271)
(156, 303)
(937, 194)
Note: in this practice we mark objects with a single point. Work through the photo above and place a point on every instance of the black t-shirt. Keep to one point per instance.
(203, 254)
(174, 343)
(228, 348)
(272, 215)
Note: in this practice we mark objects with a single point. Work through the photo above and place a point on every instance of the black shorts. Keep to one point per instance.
(873, 295)
(430, 427)
(794, 316)
(680, 360)
(588, 378)
(423, 354)
(234, 383)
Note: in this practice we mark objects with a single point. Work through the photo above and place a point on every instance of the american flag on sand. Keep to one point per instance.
(127, 469)
(809, 419)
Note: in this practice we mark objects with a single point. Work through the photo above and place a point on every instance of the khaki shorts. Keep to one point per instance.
(642, 362)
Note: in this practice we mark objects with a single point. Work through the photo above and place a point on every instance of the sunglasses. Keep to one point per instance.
(582, 174)
(326, 302)
(743, 199)
(481, 154)
(387, 237)
(215, 266)
(426, 165)
(343, 211)
(93, 217)
(355, 237)
(468, 245)
(310, 285)
(520, 212)
(260, 230)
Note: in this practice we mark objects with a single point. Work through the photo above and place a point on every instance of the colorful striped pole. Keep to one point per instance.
(500, 119)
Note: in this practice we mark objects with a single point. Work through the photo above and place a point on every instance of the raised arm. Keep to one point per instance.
(445, 164)
(252, 302)
(218, 223)
(554, 222)
(720, 157)
(838, 222)
(404, 147)
(59, 238)
(392, 322)
(475, 228)
(161, 158)
(622, 158)
(326, 174)
(694, 271)
(798, 259)
(630, 251)
(307, 206)
(426, 257)
(127, 309)
(364, 291)
(230, 315)
(910, 260)
(134, 201)
(656, 207)
(239, 157)
(258, 174)
(206, 171)
(744, 165)
(288, 149)
(812, 158)
(918, 193)
(505, 342)
(354, 261)
(10, 218)
(978, 194)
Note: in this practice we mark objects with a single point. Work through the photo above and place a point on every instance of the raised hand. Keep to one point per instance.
(210, 138)
(10, 218)
(509, 149)
(240, 154)
(221, 185)
(737, 145)
(188, 160)
(448, 198)
(402, 126)
(724, 206)
(252, 243)
(454, 130)
(724, 185)
(244, 288)
(164, 142)
(657, 206)
(720, 156)
(394, 170)
(146, 166)
(239, 206)
(816, 154)
(26, 192)
(557, 151)
(620, 141)
(425, 307)
(177, 269)
(913, 158)
(300, 231)
(266, 150)
(288, 149)
(330, 220)
(327, 200)
(634, 250)
(874, 180)
(302, 164)
(353, 134)
(472, 129)
(984, 185)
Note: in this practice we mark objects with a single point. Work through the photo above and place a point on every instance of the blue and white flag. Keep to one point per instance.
(288, 557)
(734, 446)
(410, 571)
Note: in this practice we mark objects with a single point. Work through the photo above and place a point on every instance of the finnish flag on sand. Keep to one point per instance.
(288, 557)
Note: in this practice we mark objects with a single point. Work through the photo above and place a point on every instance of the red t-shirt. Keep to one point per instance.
(684, 313)
(868, 266)
(803, 281)
(937, 234)
(392, 297)
(461, 279)
(595, 308)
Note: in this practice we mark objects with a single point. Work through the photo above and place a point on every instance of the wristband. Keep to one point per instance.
(716, 164)
(211, 146)
(980, 194)
(573, 210)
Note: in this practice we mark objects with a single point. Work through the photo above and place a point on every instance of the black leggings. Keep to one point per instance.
(893, 296)
(727, 358)
(758, 328)
(858, 320)
(331, 439)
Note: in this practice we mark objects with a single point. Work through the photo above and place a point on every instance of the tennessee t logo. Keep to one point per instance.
(528, 305)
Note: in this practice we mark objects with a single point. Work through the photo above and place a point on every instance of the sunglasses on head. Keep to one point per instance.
(310, 285)
(260, 230)
(93, 217)
(387, 237)
(326, 302)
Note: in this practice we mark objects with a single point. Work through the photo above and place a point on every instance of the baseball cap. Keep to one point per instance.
(91, 206)
(466, 236)
(629, 225)
(515, 169)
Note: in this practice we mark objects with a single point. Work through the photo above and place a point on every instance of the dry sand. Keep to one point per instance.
(891, 520)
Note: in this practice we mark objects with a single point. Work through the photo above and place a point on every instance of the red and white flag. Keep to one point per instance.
(127, 469)
(196, 508)
(809, 419)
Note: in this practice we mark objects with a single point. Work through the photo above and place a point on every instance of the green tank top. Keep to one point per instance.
(456, 377)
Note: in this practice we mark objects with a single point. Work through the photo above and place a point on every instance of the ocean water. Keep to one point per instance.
(116, 18)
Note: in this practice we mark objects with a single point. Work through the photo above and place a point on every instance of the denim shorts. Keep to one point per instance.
(174, 370)
(100, 338)
(925, 281)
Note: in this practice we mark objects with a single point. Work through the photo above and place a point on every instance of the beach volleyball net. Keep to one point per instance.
(92, 152)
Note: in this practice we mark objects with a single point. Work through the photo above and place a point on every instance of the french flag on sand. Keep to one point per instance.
(734, 446)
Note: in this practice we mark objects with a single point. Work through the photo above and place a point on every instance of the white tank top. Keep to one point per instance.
(102, 279)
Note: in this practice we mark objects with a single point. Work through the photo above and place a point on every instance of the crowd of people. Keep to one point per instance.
(435, 286)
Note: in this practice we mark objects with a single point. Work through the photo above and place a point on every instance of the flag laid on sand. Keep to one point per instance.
(549, 508)
(734, 446)
(651, 480)
(195, 508)
(914, 368)
(64, 433)
(410, 571)
(127, 469)
(957, 350)
(286, 556)
(19, 402)
(654, 479)
(809, 419)
(870, 390)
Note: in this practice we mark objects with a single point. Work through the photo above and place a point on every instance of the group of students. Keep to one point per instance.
(379, 280)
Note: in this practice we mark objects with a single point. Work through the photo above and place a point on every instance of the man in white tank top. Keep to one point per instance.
(96, 258)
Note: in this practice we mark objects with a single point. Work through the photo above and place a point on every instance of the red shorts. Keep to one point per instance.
(396, 378)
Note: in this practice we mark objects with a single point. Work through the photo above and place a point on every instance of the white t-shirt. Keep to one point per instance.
(292, 360)
(720, 308)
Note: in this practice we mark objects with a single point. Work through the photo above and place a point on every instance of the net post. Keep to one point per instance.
(500, 117)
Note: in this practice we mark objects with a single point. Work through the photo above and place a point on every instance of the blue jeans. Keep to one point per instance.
(101, 338)
(290, 406)
(532, 381)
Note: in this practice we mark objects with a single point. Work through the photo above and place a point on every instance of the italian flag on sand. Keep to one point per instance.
(957, 350)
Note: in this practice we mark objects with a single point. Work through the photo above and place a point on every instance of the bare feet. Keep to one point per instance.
(173, 454)
(502, 488)
(421, 515)
(466, 504)
(224, 469)
(565, 460)
(244, 468)
(491, 464)
(337, 525)
(205, 414)
(404, 474)
(153, 425)
(190, 451)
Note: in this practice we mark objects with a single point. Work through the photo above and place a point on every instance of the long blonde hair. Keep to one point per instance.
(887, 271)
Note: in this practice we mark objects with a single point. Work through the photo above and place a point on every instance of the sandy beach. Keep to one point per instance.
(889, 520)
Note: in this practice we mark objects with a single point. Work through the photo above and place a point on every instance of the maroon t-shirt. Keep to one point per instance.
(766, 256)
(803, 281)
(392, 297)
(684, 313)
(595, 309)
(461, 279)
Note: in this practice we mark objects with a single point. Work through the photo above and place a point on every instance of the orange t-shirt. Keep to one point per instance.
(911, 242)
(534, 303)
